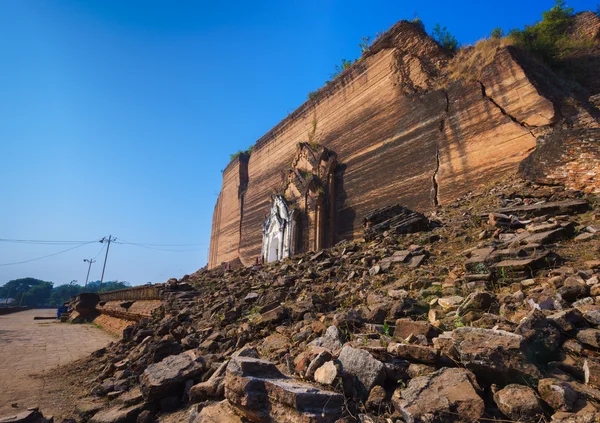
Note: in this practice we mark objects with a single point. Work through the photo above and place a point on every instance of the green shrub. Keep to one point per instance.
(240, 152)
(548, 38)
(345, 64)
(497, 33)
(365, 43)
(419, 23)
(445, 38)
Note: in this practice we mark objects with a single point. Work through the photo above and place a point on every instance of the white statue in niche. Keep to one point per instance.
(278, 231)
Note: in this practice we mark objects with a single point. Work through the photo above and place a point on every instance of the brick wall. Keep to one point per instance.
(568, 157)
(143, 292)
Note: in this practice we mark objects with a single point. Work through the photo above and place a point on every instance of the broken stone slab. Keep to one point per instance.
(258, 391)
(118, 414)
(568, 321)
(565, 231)
(573, 288)
(220, 412)
(87, 407)
(526, 267)
(32, 415)
(448, 395)
(589, 337)
(417, 261)
(494, 355)
(168, 377)
(413, 352)
(331, 340)
(399, 257)
(360, 364)
(558, 394)
(450, 303)
(273, 316)
(535, 228)
(590, 313)
(518, 402)
(541, 337)
(406, 327)
(548, 209)
(214, 387)
(476, 263)
(478, 301)
(584, 237)
(393, 219)
(503, 220)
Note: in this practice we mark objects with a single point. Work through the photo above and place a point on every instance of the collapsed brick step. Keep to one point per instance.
(549, 209)
(396, 219)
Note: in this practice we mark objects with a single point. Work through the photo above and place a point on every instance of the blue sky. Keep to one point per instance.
(116, 117)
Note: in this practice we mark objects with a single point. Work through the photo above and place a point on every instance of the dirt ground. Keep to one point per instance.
(31, 350)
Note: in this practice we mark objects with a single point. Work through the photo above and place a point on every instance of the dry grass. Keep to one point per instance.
(470, 60)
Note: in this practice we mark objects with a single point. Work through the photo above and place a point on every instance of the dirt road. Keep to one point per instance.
(30, 347)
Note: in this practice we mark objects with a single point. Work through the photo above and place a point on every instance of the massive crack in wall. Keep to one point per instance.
(399, 138)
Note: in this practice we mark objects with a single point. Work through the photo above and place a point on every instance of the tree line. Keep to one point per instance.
(33, 292)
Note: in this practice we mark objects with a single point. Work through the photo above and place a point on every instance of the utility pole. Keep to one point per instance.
(90, 261)
(109, 240)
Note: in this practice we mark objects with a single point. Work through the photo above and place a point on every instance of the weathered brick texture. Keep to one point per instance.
(400, 136)
(569, 157)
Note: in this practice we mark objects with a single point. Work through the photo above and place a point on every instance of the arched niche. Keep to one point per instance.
(278, 231)
(302, 216)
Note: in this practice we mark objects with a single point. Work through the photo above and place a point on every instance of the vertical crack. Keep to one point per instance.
(435, 186)
(504, 112)
(434, 178)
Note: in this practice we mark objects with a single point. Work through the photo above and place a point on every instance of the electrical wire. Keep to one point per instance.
(156, 248)
(160, 247)
(41, 242)
(49, 255)
(99, 252)
(124, 241)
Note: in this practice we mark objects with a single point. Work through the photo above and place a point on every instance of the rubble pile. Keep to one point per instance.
(493, 313)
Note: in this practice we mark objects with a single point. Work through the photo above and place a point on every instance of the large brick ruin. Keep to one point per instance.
(394, 128)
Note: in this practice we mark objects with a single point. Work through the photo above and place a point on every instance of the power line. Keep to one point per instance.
(157, 248)
(42, 242)
(99, 252)
(49, 255)
(124, 241)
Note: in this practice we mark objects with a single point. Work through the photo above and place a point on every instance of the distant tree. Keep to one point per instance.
(38, 295)
(445, 38)
(497, 33)
(107, 286)
(19, 289)
(62, 293)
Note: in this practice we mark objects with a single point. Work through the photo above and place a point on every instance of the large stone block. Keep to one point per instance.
(494, 355)
(448, 395)
(167, 378)
(259, 392)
